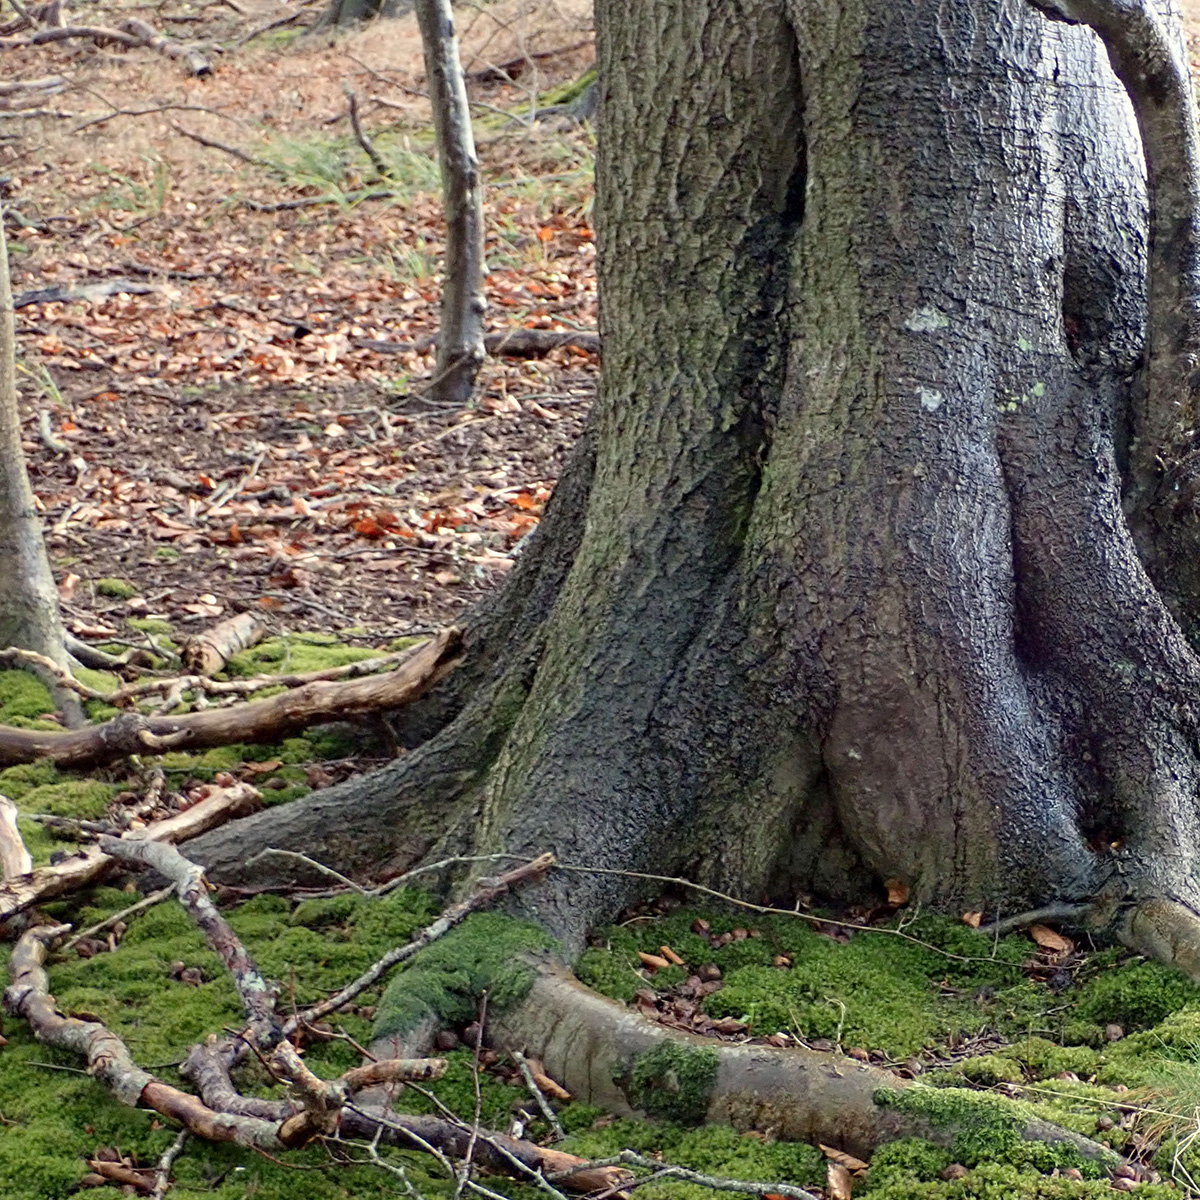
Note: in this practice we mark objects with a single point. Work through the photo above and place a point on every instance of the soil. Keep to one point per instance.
(221, 434)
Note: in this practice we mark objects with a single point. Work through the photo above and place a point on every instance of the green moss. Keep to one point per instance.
(907, 1160)
(674, 1082)
(15, 782)
(301, 652)
(990, 1069)
(981, 1127)
(1000, 1181)
(87, 799)
(488, 950)
(1136, 996)
(150, 625)
(23, 698)
(118, 589)
(101, 681)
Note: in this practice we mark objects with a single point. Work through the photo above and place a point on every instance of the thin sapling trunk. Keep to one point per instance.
(460, 342)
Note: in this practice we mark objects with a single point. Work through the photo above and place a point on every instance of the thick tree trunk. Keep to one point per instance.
(852, 595)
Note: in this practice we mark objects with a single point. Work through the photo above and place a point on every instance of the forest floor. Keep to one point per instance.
(209, 422)
(213, 425)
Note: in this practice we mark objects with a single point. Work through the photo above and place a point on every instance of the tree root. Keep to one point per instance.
(599, 1050)
(1166, 930)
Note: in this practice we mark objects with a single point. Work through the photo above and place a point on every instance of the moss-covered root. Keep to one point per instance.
(1167, 931)
(442, 985)
(607, 1054)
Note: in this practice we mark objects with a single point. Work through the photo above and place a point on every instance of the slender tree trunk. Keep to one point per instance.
(460, 338)
(852, 595)
(29, 612)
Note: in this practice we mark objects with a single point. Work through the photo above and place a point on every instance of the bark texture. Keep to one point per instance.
(841, 588)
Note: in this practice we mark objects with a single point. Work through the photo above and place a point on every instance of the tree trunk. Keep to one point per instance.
(846, 592)
(29, 612)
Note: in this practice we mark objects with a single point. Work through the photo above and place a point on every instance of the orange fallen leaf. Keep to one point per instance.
(897, 892)
(842, 1158)
(1047, 939)
(653, 961)
(974, 919)
(670, 955)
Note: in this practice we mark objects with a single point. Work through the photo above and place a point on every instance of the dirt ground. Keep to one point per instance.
(209, 414)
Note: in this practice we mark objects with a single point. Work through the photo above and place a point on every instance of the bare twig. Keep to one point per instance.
(213, 144)
(146, 902)
(296, 856)
(716, 1182)
(162, 1175)
(381, 167)
(529, 872)
(538, 1095)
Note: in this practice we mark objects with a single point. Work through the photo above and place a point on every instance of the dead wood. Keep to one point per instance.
(195, 62)
(15, 860)
(208, 652)
(261, 721)
(65, 293)
(513, 68)
(89, 865)
(517, 343)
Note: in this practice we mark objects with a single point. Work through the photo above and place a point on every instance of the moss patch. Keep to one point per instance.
(487, 951)
(674, 1082)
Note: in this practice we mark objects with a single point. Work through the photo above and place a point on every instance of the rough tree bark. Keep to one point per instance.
(841, 587)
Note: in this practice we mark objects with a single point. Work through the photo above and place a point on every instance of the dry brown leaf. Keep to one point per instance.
(837, 1182)
(974, 919)
(1047, 939)
(840, 1156)
(897, 892)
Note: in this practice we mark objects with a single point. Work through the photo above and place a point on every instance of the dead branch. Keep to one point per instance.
(66, 293)
(208, 652)
(257, 997)
(195, 62)
(162, 1173)
(513, 68)
(486, 892)
(119, 1173)
(517, 343)
(144, 903)
(45, 883)
(381, 167)
(15, 859)
(213, 144)
(263, 721)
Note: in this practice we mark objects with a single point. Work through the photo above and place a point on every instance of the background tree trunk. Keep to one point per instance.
(851, 596)
(29, 612)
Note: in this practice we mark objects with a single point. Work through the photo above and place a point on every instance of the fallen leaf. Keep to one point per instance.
(671, 956)
(840, 1156)
(897, 892)
(973, 919)
(837, 1182)
(653, 961)
(1047, 939)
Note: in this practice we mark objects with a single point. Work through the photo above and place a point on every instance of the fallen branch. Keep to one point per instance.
(45, 883)
(486, 892)
(517, 343)
(68, 292)
(263, 721)
(213, 144)
(162, 1173)
(15, 859)
(368, 146)
(208, 652)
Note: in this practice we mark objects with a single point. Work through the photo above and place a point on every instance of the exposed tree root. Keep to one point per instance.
(1166, 930)
(592, 1045)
